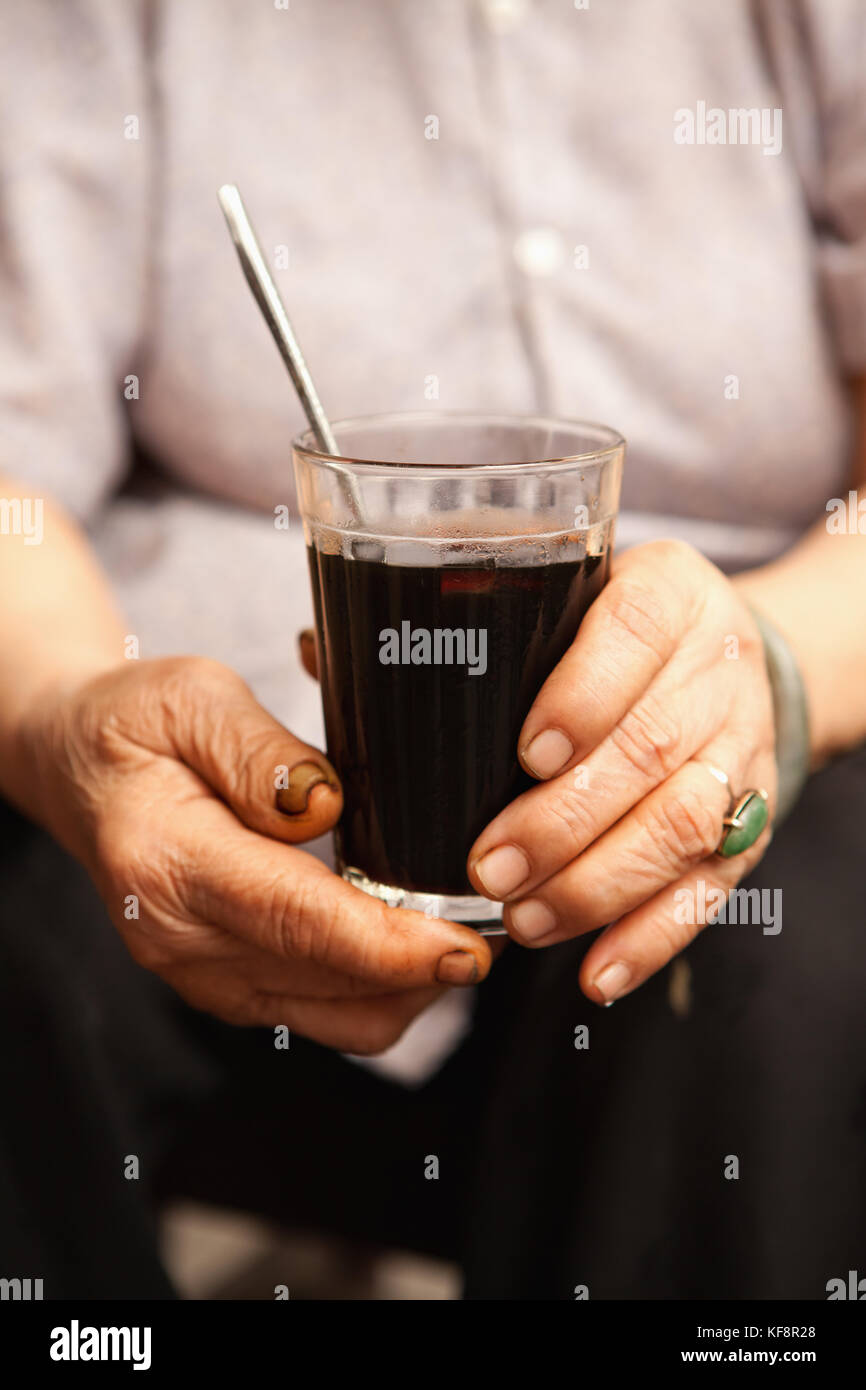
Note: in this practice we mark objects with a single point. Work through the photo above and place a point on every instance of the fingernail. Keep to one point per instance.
(548, 753)
(531, 919)
(306, 637)
(612, 981)
(502, 870)
(293, 799)
(457, 968)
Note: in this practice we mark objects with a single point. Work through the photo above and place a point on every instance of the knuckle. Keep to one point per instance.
(648, 738)
(561, 808)
(322, 926)
(137, 862)
(181, 683)
(131, 863)
(675, 551)
(242, 764)
(686, 827)
(638, 612)
(196, 670)
(304, 919)
(642, 861)
(103, 736)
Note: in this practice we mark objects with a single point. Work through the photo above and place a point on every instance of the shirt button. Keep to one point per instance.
(504, 15)
(539, 250)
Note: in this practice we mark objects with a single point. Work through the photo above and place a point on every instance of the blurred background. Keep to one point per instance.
(214, 1254)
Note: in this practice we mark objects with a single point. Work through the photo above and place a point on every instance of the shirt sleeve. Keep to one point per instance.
(817, 51)
(76, 144)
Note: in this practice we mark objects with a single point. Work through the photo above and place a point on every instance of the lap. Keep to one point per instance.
(101, 1061)
(612, 1161)
(602, 1166)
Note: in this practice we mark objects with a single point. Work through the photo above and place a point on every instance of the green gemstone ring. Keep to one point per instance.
(745, 823)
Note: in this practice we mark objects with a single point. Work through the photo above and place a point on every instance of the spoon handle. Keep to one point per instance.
(268, 298)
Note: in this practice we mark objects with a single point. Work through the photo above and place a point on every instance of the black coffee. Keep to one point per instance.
(422, 712)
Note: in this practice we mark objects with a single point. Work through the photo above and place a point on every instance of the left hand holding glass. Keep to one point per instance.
(646, 739)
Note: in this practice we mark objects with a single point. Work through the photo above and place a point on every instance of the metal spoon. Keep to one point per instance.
(267, 297)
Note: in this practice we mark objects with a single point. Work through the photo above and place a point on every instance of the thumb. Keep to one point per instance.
(274, 783)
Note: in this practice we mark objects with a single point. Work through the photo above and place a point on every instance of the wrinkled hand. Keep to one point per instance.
(665, 679)
(160, 777)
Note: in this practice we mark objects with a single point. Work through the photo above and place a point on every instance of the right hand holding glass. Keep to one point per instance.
(161, 777)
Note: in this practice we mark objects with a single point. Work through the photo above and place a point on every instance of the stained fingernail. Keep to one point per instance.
(532, 919)
(457, 968)
(611, 982)
(293, 799)
(548, 753)
(502, 870)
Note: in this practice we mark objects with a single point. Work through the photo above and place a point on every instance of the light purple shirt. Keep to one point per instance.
(487, 201)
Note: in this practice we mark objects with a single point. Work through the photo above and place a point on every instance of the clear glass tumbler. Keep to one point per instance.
(452, 558)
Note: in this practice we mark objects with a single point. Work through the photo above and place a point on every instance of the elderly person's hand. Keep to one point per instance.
(162, 778)
(664, 688)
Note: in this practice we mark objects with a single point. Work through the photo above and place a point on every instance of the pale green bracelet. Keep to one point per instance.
(791, 715)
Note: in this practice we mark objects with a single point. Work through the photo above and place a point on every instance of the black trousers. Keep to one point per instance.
(609, 1166)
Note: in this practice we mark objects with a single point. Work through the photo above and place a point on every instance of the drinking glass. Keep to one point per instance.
(452, 558)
